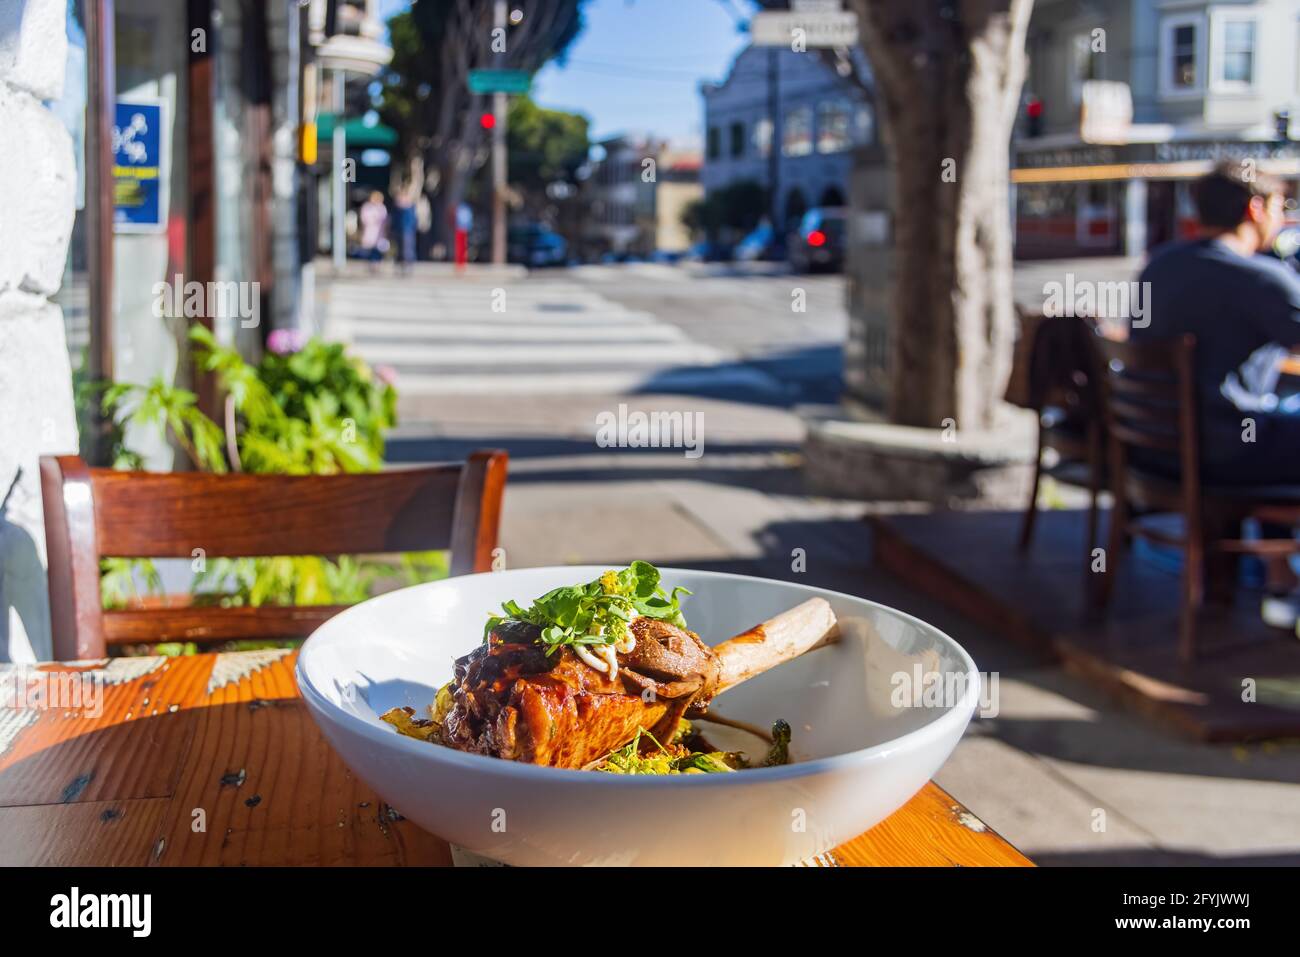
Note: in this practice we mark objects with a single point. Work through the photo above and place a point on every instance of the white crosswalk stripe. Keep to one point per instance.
(542, 337)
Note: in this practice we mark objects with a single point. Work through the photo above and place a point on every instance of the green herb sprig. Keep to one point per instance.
(598, 612)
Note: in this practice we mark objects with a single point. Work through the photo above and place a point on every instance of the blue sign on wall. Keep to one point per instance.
(139, 170)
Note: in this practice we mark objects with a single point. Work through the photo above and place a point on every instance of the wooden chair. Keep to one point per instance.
(1149, 397)
(98, 513)
(1069, 420)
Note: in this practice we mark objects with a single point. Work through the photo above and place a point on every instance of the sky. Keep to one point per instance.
(637, 65)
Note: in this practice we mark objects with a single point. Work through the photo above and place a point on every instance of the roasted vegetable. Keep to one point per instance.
(405, 721)
(426, 729)
(779, 752)
(673, 759)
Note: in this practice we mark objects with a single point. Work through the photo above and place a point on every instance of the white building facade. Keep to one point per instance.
(1207, 80)
(814, 115)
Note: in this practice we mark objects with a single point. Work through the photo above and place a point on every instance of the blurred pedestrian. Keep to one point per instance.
(424, 226)
(405, 222)
(374, 223)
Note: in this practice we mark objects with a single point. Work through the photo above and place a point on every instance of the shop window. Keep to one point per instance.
(737, 139)
(1233, 44)
(796, 136)
(834, 126)
(1046, 201)
(1181, 55)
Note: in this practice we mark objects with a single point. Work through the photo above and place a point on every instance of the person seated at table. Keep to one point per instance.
(1243, 306)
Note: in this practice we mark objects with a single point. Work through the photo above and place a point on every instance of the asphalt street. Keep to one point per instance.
(626, 329)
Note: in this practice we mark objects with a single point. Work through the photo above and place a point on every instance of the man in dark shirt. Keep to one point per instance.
(1244, 309)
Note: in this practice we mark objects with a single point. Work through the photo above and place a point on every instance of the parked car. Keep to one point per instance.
(536, 246)
(759, 244)
(708, 251)
(819, 241)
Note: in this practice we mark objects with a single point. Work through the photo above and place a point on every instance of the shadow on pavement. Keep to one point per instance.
(529, 462)
(783, 379)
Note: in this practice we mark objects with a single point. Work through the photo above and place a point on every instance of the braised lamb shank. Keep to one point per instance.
(512, 700)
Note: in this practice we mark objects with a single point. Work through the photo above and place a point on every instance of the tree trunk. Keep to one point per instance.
(948, 78)
(456, 164)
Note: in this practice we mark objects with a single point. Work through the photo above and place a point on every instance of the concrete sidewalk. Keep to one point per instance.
(1067, 777)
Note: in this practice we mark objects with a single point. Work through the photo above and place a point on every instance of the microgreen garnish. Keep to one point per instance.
(598, 612)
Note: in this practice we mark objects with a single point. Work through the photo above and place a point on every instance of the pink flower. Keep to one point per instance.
(285, 341)
(386, 374)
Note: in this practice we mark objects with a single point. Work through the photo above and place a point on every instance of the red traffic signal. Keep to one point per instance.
(487, 121)
(1034, 117)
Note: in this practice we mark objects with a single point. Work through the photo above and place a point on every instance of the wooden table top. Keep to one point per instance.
(213, 759)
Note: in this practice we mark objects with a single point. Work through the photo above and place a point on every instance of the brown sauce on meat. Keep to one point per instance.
(514, 701)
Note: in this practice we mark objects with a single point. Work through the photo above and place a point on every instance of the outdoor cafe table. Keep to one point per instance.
(213, 759)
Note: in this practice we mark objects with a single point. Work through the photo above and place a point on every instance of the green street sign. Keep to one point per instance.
(499, 81)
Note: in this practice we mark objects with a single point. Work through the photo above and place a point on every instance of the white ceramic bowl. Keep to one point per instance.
(865, 737)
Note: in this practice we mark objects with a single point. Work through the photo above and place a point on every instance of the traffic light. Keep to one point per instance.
(1034, 117)
(487, 121)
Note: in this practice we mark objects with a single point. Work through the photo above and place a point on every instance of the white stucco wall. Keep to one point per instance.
(37, 183)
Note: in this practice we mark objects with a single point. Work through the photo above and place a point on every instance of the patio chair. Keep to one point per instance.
(98, 513)
(1149, 397)
(1061, 387)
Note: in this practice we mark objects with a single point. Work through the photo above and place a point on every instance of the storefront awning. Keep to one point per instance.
(1187, 169)
(1152, 161)
(359, 134)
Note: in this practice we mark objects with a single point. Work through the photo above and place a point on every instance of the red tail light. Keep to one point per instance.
(817, 238)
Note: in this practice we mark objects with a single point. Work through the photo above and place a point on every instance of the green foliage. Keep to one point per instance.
(408, 81)
(424, 92)
(322, 383)
(170, 410)
(174, 649)
(737, 207)
(544, 146)
(99, 439)
(118, 577)
(311, 412)
(420, 567)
